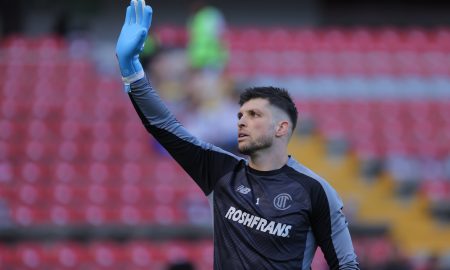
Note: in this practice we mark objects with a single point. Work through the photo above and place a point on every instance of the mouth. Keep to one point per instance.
(242, 136)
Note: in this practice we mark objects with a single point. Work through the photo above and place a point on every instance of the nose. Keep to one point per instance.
(241, 122)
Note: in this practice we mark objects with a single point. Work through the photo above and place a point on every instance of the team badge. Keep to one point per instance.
(282, 201)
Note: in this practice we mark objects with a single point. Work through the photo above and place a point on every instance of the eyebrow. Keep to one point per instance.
(250, 110)
(253, 110)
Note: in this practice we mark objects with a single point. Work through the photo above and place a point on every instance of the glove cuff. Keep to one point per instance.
(128, 80)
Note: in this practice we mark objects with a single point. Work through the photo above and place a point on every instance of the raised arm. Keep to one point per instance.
(204, 162)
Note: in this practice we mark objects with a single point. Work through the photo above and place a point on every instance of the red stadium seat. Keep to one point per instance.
(276, 39)
(105, 255)
(131, 172)
(65, 215)
(98, 216)
(31, 195)
(171, 36)
(31, 256)
(32, 172)
(143, 255)
(8, 258)
(304, 40)
(135, 150)
(99, 172)
(6, 153)
(68, 150)
(333, 39)
(132, 194)
(7, 129)
(166, 214)
(246, 39)
(38, 130)
(29, 216)
(361, 39)
(67, 256)
(64, 172)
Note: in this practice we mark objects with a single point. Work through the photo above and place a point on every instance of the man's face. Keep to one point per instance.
(256, 129)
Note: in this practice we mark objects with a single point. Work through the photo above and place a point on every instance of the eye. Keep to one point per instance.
(253, 113)
(239, 115)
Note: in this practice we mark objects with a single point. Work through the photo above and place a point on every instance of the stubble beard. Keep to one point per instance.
(261, 143)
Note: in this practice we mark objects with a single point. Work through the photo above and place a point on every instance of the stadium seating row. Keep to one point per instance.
(414, 127)
(331, 38)
(105, 255)
(99, 194)
(404, 122)
(284, 63)
(93, 215)
(255, 62)
(361, 37)
(51, 110)
(47, 173)
(141, 254)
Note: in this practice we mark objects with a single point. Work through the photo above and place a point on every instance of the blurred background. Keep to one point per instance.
(83, 186)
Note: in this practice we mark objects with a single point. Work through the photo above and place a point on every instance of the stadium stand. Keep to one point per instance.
(70, 156)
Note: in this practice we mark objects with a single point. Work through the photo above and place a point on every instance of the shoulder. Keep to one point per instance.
(315, 184)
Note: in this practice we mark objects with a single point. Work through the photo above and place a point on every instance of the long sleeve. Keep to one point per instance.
(330, 229)
(204, 162)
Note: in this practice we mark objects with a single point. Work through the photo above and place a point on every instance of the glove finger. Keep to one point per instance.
(128, 15)
(139, 11)
(142, 37)
(147, 18)
(133, 11)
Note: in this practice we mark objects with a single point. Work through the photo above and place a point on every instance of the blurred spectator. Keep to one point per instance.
(61, 24)
(151, 49)
(5, 219)
(447, 168)
(11, 13)
(192, 83)
(406, 172)
(396, 260)
(181, 266)
(206, 48)
(207, 100)
(196, 98)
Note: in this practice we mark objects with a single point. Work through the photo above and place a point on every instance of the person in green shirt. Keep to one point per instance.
(206, 46)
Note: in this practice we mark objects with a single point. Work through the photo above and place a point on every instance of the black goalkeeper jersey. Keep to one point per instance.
(262, 219)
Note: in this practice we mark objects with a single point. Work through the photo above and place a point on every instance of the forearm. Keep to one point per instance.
(338, 250)
(149, 106)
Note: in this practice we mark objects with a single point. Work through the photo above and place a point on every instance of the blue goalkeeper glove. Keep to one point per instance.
(131, 41)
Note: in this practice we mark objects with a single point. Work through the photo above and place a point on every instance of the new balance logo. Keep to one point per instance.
(242, 189)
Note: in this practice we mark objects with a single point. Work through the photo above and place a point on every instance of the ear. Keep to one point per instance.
(282, 128)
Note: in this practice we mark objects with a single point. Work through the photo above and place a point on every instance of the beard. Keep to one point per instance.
(260, 143)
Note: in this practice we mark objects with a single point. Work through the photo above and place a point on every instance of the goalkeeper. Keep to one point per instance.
(270, 212)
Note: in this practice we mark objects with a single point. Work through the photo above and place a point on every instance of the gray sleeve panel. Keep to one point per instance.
(204, 162)
(341, 242)
(310, 250)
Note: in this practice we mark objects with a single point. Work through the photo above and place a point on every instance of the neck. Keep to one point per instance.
(268, 159)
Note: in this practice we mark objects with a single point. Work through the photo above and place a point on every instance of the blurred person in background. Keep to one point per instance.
(396, 260)
(181, 266)
(12, 19)
(206, 46)
(269, 212)
(207, 91)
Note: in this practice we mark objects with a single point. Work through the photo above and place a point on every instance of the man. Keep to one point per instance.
(270, 212)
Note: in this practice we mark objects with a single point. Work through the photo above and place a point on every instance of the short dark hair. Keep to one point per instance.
(278, 97)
